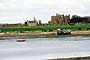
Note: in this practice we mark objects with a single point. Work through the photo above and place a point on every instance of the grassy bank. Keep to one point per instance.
(46, 28)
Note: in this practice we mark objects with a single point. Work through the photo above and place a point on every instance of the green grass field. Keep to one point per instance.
(46, 28)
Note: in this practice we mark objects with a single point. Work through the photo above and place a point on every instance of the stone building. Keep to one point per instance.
(60, 19)
(31, 23)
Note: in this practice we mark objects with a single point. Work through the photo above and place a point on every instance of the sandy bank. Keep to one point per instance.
(27, 34)
(42, 33)
(80, 32)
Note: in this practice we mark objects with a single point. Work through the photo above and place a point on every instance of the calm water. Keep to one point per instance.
(44, 47)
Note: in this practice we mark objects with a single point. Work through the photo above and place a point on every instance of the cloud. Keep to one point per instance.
(42, 9)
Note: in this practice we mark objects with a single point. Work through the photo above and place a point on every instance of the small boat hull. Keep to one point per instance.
(20, 40)
(64, 33)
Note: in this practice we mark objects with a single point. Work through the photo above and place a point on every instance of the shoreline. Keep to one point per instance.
(73, 58)
(42, 33)
(27, 34)
(80, 32)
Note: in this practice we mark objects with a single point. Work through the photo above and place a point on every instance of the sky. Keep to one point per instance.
(19, 11)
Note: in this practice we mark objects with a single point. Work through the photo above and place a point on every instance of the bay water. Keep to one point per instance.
(44, 47)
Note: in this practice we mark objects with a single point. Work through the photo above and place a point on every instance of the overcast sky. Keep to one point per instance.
(19, 11)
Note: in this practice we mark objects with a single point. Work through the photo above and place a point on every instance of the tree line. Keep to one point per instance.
(77, 19)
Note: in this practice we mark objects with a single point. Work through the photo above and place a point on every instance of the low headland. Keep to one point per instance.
(73, 58)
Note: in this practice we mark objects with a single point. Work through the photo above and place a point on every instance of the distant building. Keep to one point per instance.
(39, 23)
(49, 22)
(31, 23)
(60, 19)
(10, 25)
(44, 24)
